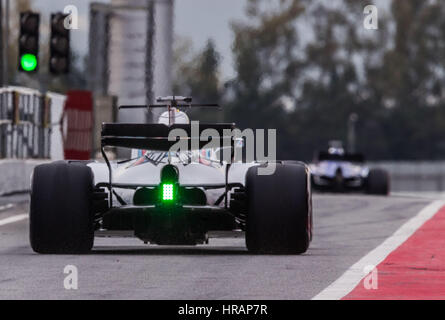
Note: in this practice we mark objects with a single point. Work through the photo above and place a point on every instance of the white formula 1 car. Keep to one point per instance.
(162, 197)
(338, 171)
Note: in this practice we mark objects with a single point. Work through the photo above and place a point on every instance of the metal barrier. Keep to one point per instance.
(25, 123)
(414, 176)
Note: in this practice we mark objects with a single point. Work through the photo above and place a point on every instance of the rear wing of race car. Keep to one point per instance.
(169, 102)
(155, 136)
(350, 157)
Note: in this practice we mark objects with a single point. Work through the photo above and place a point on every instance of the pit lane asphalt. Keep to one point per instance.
(346, 228)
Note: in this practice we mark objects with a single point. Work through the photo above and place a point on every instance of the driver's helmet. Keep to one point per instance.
(180, 117)
(336, 147)
(336, 150)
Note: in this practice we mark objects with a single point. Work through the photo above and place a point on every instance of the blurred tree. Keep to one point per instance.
(329, 80)
(197, 75)
(266, 63)
(184, 59)
(304, 66)
(408, 81)
(204, 83)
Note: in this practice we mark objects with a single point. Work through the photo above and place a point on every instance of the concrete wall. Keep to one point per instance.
(15, 175)
(428, 176)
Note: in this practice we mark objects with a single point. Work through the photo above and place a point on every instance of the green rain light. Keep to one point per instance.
(28, 62)
(167, 192)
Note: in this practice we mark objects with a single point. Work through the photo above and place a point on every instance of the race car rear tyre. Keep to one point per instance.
(61, 219)
(378, 182)
(279, 210)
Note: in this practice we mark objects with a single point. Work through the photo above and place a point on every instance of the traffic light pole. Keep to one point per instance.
(6, 46)
(4, 42)
(2, 53)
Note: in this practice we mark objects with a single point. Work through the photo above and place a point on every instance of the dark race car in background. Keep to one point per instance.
(338, 171)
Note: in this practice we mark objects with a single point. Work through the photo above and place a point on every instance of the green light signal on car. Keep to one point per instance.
(167, 192)
(28, 62)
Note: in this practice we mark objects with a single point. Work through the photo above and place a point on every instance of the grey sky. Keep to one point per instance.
(197, 20)
(203, 19)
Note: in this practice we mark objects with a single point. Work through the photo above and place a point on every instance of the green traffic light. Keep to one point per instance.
(28, 62)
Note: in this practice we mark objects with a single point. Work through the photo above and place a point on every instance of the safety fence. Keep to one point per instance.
(37, 128)
(45, 126)
(25, 123)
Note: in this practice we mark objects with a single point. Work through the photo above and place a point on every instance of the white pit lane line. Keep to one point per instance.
(12, 219)
(7, 206)
(349, 280)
